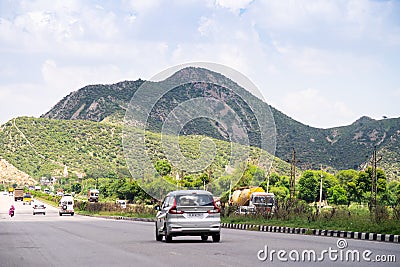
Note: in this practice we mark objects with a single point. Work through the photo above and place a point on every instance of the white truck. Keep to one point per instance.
(93, 195)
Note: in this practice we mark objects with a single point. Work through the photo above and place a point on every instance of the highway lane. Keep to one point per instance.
(51, 240)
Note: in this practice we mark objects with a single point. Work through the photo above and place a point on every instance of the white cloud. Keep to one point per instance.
(310, 107)
(20, 100)
(68, 78)
(345, 47)
(143, 6)
(234, 6)
(205, 25)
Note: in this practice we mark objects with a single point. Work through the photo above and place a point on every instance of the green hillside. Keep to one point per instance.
(43, 147)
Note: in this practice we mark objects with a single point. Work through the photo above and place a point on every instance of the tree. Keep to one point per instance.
(392, 196)
(337, 195)
(346, 176)
(251, 174)
(202, 180)
(328, 181)
(274, 178)
(308, 187)
(280, 192)
(163, 167)
(284, 181)
(363, 185)
(353, 193)
(76, 187)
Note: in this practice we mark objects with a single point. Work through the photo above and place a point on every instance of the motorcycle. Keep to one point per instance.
(11, 211)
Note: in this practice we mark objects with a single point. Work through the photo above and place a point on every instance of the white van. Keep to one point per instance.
(66, 205)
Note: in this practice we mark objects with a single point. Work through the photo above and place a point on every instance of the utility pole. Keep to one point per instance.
(177, 181)
(210, 173)
(293, 174)
(372, 203)
(320, 193)
(230, 191)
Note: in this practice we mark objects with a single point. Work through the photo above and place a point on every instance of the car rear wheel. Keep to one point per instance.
(216, 237)
(168, 238)
(204, 237)
(158, 236)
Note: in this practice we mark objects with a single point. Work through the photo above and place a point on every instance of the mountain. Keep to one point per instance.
(343, 147)
(95, 102)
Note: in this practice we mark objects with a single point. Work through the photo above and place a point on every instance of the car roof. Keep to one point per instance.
(188, 192)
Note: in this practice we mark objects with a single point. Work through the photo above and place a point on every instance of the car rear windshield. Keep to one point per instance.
(194, 200)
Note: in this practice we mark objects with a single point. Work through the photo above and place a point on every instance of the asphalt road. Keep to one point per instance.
(51, 240)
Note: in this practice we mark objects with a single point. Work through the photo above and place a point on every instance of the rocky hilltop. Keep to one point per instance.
(11, 175)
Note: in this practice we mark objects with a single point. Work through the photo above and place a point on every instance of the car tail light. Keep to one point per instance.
(173, 209)
(216, 209)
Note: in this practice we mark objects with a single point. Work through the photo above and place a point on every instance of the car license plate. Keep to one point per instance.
(194, 215)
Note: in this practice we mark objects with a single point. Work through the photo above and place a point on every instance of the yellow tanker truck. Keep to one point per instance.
(253, 199)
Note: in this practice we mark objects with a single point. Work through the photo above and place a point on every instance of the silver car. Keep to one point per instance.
(39, 208)
(188, 212)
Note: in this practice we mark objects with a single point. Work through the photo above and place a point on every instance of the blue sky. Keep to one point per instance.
(323, 63)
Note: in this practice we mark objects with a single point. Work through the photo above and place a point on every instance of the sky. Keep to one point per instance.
(323, 63)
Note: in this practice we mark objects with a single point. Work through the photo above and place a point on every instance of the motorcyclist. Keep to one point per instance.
(11, 211)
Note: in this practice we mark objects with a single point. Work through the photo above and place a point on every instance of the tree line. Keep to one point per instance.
(342, 188)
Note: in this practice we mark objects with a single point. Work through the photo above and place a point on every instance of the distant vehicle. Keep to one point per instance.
(188, 212)
(11, 211)
(66, 205)
(122, 203)
(27, 199)
(47, 191)
(11, 191)
(253, 199)
(38, 188)
(60, 192)
(39, 209)
(18, 194)
(93, 195)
